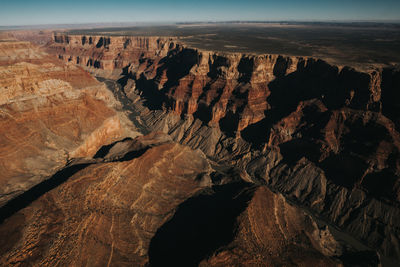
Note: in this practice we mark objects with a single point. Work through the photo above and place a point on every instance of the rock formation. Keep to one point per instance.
(50, 113)
(244, 160)
(232, 90)
(152, 201)
(325, 136)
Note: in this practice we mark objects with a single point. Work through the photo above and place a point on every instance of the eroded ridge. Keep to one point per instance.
(325, 136)
(149, 200)
(50, 112)
(247, 162)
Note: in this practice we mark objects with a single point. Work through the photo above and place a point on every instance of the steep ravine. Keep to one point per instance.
(127, 105)
(326, 137)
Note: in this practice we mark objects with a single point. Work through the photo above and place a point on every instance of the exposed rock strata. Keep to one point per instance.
(131, 204)
(269, 231)
(232, 90)
(324, 136)
(92, 194)
(49, 113)
(128, 200)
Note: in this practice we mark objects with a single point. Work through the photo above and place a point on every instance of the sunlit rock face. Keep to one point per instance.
(107, 212)
(50, 112)
(231, 90)
(152, 201)
(325, 136)
(244, 160)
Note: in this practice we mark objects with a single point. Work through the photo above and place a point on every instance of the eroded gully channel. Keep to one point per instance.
(127, 104)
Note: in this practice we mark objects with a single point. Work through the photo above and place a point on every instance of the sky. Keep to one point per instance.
(30, 12)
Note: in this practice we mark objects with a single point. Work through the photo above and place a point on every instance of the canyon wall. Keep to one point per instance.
(80, 185)
(327, 137)
(230, 90)
(50, 112)
(150, 201)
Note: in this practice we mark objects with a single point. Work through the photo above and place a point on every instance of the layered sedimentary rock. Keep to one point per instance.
(107, 212)
(210, 86)
(49, 113)
(79, 189)
(272, 232)
(100, 52)
(13, 51)
(38, 37)
(149, 200)
(232, 90)
(326, 137)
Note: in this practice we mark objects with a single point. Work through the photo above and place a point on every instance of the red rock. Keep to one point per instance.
(50, 112)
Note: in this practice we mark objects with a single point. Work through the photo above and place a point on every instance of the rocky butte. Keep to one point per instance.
(142, 151)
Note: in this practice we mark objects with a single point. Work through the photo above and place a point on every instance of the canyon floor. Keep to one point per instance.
(190, 145)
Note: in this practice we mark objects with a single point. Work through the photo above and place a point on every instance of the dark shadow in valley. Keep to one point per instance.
(132, 154)
(344, 169)
(152, 96)
(293, 150)
(26, 198)
(245, 69)
(126, 75)
(123, 150)
(391, 94)
(230, 122)
(204, 111)
(178, 64)
(200, 226)
(313, 79)
(103, 151)
(381, 184)
(360, 258)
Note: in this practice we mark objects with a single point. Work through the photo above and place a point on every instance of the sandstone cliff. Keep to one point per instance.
(49, 113)
(296, 162)
(327, 137)
(232, 90)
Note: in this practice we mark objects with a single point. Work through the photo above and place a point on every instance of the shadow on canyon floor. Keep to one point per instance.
(200, 226)
(26, 198)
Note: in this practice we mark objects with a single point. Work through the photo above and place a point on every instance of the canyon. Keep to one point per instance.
(141, 150)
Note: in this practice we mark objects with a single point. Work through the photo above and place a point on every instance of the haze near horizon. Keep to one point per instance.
(25, 12)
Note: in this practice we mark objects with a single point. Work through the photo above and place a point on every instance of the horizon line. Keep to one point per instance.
(141, 23)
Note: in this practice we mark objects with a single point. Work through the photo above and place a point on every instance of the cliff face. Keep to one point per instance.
(49, 113)
(325, 136)
(108, 53)
(229, 90)
(80, 188)
(291, 103)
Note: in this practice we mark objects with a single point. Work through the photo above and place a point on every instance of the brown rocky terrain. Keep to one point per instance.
(38, 37)
(151, 201)
(50, 113)
(324, 136)
(244, 160)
